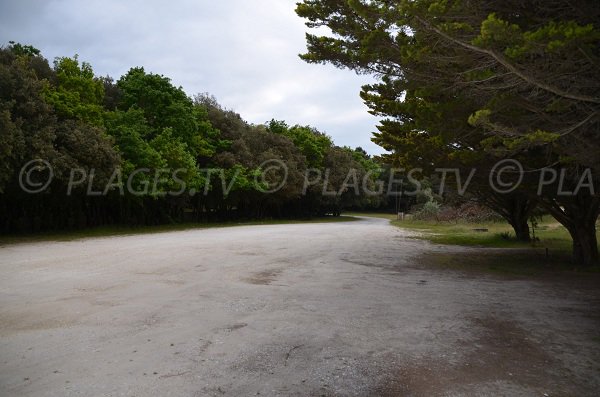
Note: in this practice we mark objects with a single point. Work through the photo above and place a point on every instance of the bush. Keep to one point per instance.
(429, 211)
(467, 212)
(449, 214)
(474, 212)
(507, 236)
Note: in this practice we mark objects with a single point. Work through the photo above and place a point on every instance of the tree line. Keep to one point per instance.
(86, 127)
(466, 84)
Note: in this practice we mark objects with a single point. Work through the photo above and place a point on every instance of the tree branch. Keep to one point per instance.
(504, 62)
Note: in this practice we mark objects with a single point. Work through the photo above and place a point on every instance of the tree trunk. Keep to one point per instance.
(521, 227)
(585, 245)
(578, 215)
(515, 208)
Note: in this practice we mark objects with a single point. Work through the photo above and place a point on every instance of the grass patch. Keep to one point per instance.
(529, 263)
(550, 233)
(550, 255)
(391, 217)
(123, 230)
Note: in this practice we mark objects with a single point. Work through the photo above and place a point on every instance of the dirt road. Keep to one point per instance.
(302, 309)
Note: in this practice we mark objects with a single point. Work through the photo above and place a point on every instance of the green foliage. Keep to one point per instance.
(480, 117)
(166, 106)
(21, 99)
(32, 129)
(506, 62)
(132, 136)
(76, 94)
(312, 143)
(174, 152)
(553, 37)
(429, 211)
(497, 32)
(22, 50)
(142, 152)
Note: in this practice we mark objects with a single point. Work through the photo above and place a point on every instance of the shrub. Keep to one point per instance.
(465, 212)
(506, 236)
(429, 211)
(474, 212)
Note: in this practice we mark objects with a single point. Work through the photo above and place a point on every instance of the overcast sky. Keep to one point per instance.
(244, 52)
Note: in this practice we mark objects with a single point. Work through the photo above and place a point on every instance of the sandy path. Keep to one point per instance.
(301, 309)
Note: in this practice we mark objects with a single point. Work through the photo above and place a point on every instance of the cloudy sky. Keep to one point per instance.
(243, 52)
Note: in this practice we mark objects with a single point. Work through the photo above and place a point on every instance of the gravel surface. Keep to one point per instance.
(332, 309)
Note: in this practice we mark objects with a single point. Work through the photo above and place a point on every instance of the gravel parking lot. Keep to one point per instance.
(300, 309)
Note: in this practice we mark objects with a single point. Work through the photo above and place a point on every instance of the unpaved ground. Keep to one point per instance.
(303, 309)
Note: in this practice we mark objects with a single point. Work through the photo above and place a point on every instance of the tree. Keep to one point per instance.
(166, 106)
(311, 142)
(538, 59)
(526, 69)
(32, 130)
(426, 127)
(23, 50)
(578, 214)
(75, 93)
